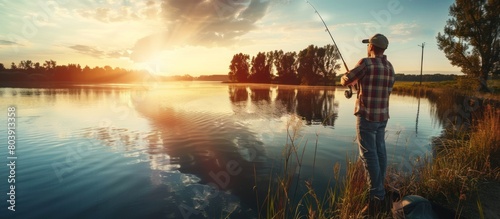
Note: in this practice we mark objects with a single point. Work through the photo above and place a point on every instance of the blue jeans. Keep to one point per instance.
(373, 154)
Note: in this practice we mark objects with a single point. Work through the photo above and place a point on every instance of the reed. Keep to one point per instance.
(344, 199)
(354, 193)
(283, 198)
(278, 202)
(461, 162)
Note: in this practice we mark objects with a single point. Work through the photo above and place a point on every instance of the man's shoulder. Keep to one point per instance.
(365, 61)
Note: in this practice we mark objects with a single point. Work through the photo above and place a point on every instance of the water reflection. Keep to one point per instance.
(171, 139)
(418, 113)
(238, 93)
(317, 107)
(314, 105)
(217, 149)
(453, 110)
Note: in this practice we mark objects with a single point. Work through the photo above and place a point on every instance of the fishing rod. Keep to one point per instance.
(347, 93)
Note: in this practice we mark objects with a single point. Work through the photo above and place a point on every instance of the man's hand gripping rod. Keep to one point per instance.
(347, 93)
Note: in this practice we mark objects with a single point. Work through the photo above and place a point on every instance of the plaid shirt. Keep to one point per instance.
(375, 77)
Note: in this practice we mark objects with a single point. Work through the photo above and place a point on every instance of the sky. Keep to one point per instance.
(200, 37)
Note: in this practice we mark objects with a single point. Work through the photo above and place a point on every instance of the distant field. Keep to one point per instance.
(492, 84)
(427, 84)
(461, 85)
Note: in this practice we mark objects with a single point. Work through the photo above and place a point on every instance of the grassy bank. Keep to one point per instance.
(464, 85)
(464, 162)
(465, 158)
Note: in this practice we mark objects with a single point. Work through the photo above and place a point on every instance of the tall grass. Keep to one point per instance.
(278, 202)
(460, 163)
(354, 192)
(344, 199)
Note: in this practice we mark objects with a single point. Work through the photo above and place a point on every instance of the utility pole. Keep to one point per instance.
(421, 62)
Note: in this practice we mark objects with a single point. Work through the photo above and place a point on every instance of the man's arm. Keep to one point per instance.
(352, 77)
(393, 74)
(346, 81)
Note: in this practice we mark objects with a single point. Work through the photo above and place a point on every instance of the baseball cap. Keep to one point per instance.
(378, 40)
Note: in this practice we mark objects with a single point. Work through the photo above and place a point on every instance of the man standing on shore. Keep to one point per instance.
(375, 78)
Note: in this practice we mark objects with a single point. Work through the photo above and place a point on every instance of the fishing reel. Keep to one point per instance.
(348, 93)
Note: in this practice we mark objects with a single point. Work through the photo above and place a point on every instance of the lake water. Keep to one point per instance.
(181, 149)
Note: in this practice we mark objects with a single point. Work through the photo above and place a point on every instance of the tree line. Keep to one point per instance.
(49, 71)
(310, 66)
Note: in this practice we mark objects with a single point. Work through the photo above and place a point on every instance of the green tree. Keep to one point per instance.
(471, 38)
(49, 65)
(108, 69)
(37, 67)
(325, 63)
(305, 69)
(2, 67)
(260, 70)
(239, 68)
(285, 67)
(26, 65)
(278, 55)
(13, 66)
(269, 63)
(29, 65)
(86, 70)
(317, 64)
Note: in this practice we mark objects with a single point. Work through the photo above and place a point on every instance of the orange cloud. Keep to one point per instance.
(201, 23)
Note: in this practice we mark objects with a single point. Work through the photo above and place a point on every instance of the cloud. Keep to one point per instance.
(117, 11)
(8, 43)
(87, 50)
(97, 53)
(209, 23)
(201, 23)
(403, 29)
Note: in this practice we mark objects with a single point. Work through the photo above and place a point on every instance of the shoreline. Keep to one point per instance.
(476, 194)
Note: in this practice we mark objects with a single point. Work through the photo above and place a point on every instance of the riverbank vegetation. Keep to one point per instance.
(464, 84)
(464, 163)
(463, 160)
(466, 156)
(49, 71)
